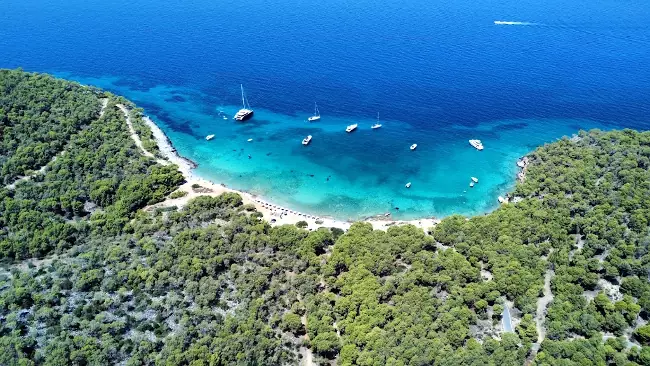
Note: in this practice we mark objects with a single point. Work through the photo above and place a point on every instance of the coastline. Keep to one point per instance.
(274, 214)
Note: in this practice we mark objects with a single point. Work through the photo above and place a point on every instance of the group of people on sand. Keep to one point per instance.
(281, 211)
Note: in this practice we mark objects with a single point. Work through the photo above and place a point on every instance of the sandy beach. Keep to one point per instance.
(274, 214)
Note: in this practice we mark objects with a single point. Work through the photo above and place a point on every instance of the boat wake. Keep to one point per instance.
(599, 31)
(503, 22)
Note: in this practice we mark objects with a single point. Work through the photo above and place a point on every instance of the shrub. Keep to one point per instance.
(178, 194)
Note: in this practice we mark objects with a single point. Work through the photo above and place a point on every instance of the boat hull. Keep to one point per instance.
(244, 116)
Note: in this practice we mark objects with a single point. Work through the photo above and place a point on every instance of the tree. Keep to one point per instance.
(292, 323)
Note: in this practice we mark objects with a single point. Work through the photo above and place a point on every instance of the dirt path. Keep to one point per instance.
(136, 138)
(307, 355)
(540, 314)
(542, 303)
(104, 105)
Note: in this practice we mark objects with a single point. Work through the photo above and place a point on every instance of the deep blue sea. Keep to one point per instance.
(437, 72)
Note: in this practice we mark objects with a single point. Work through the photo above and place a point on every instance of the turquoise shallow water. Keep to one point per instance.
(367, 169)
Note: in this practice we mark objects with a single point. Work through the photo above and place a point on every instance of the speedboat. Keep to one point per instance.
(474, 179)
(306, 140)
(408, 185)
(477, 144)
(250, 140)
(414, 146)
(209, 137)
(351, 128)
(471, 184)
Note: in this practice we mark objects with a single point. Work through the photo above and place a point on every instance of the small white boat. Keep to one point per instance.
(306, 140)
(250, 140)
(474, 179)
(376, 125)
(414, 146)
(209, 137)
(477, 144)
(351, 128)
(408, 185)
(316, 115)
(471, 184)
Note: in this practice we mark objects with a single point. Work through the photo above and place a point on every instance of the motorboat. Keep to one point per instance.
(209, 137)
(414, 146)
(408, 185)
(351, 128)
(306, 140)
(250, 140)
(477, 144)
(474, 179)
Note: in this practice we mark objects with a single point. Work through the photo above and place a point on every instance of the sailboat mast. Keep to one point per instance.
(242, 95)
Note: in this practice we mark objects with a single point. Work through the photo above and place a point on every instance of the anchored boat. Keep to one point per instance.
(414, 146)
(477, 144)
(246, 112)
(351, 128)
(306, 140)
(376, 125)
(316, 115)
(209, 137)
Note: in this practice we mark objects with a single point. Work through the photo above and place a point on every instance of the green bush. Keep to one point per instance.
(178, 194)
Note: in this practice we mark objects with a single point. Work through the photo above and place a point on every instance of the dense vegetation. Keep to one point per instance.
(212, 283)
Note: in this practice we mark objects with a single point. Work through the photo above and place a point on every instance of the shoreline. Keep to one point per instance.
(274, 214)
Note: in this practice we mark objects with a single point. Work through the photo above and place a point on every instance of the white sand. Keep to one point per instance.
(281, 215)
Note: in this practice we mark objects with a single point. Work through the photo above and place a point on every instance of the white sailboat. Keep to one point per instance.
(376, 125)
(316, 115)
(246, 112)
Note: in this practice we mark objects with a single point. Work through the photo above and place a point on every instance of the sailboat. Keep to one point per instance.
(376, 125)
(316, 115)
(246, 112)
